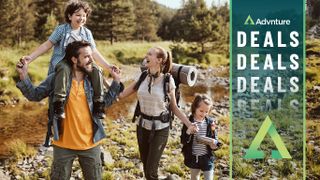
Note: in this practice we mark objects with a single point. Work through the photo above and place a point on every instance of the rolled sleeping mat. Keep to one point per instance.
(185, 74)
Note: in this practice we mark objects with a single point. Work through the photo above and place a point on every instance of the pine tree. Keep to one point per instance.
(113, 20)
(17, 21)
(44, 9)
(146, 22)
(50, 25)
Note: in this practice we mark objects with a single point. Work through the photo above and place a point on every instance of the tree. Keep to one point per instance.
(164, 16)
(196, 23)
(17, 21)
(146, 23)
(113, 20)
(44, 9)
(50, 25)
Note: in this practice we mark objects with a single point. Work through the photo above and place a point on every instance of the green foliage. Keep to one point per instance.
(107, 175)
(16, 21)
(19, 149)
(113, 20)
(145, 23)
(285, 168)
(48, 14)
(243, 170)
(191, 54)
(175, 169)
(196, 23)
(50, 25)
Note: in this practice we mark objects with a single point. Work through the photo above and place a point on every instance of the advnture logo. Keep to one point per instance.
(267, 127)
(249, 21)
(267, 22)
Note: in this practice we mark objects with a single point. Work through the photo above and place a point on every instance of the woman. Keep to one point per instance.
(153, 125)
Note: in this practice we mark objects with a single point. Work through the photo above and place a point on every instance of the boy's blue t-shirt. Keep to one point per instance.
(59, 39)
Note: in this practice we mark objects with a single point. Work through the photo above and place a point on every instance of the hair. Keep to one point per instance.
(73, 48)
(198, 99)
(73, 6)
(166, 64)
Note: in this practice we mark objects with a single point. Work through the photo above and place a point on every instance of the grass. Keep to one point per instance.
(243, 170)
(19, 149)
(175, 169)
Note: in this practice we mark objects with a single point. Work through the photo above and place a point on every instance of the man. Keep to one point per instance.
(79, 133)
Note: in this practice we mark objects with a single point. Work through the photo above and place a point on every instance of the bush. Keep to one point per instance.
(190, 54)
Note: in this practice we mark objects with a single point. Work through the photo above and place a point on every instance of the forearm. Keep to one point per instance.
(111, 95)
(181, 116)
(33, 93)
(127, 91)
(40, 50)
(100, 60)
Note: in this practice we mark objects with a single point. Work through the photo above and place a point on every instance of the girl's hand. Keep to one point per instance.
(213, 144)
(213, 126)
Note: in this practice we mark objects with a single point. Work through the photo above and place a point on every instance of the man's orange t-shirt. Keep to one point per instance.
(77, 127)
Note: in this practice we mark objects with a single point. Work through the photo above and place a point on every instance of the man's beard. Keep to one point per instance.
(83, 69)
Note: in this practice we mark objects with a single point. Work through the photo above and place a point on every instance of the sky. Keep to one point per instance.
(177, 3)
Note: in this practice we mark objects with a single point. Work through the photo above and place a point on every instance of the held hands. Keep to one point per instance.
(22, 68)
(115, 73)
(192, 129)
(27, 59)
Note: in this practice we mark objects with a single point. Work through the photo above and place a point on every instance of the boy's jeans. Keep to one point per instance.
(62, 78)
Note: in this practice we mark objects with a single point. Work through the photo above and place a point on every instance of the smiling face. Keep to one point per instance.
(78, 18)
(84, 61)
(151, 59)
(201, 111)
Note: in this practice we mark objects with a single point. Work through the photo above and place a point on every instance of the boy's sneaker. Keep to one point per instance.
(58, 109)
(98, 110)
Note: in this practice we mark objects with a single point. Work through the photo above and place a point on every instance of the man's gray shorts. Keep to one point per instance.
(89, 160)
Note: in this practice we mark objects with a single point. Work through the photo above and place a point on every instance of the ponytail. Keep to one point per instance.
(166, 56)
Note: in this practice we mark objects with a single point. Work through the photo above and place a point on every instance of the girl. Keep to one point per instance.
(197, 155)
(153, 125)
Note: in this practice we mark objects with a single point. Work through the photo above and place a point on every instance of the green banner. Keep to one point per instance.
(267, 88)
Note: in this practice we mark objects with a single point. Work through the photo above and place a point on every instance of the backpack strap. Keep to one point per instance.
(166, 89)
(137, 111)
(142, 77)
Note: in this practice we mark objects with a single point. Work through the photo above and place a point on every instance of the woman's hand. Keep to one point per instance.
(192, 129)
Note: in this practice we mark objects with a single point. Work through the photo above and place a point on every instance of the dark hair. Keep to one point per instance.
(200, 98)
(73, 48)
(75, 5)
(166, 64)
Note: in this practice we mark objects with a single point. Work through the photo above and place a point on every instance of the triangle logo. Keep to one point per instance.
(249, 21)
(267, 127)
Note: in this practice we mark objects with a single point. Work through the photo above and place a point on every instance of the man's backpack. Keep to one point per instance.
(166, 83)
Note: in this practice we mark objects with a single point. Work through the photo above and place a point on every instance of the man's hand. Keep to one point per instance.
(115, 73)
(22, 68)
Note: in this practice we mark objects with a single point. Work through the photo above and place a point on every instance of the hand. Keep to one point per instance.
(22, 68)
(213, 126)
(27, 59)
(192, 129)
(115, 73)
(213, 145)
